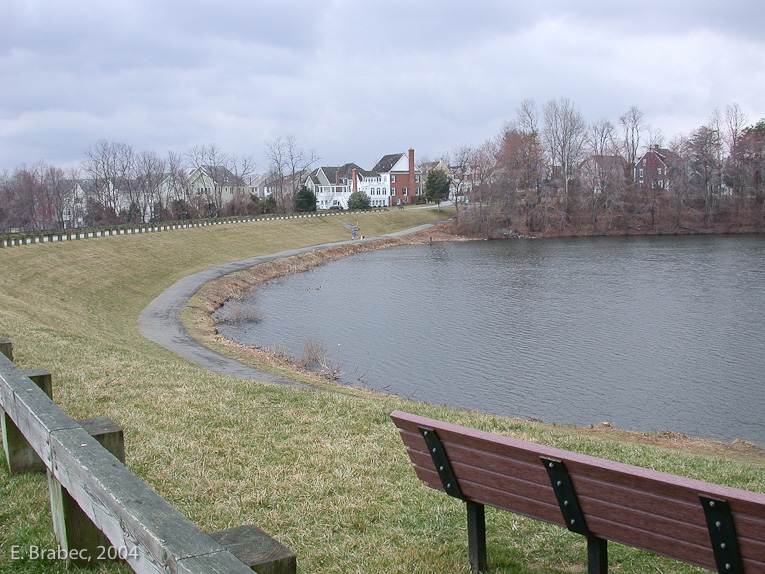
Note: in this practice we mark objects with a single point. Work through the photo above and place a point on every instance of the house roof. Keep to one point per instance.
(367, 173)
(660, 153)
(607, 160)
(220, 175)
(387, 162)
(342, 172)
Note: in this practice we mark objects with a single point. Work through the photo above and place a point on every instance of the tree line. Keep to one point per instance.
(550, 171)
(116, 183)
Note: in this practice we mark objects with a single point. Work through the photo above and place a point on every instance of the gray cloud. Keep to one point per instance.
(353, 79)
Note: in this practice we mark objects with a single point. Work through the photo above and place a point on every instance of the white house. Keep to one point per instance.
(393, 181)
(333, 185)
(217, 184)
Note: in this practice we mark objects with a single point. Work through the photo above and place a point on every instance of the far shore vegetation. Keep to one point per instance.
(321, 469)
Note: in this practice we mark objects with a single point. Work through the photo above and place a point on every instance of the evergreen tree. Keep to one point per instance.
(305, 200)
(359, 200)
(437, 187)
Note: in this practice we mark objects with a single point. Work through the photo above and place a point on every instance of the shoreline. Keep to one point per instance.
(215, 294)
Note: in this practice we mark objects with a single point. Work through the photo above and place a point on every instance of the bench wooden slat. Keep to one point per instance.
(524, 503)
(503, 474)
(647, 509)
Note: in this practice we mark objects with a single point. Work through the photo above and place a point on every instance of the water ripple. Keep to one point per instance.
(648, 333)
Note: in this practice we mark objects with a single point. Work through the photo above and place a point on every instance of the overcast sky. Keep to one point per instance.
(355, 80)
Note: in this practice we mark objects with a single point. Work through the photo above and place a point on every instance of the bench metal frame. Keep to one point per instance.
(700, 523)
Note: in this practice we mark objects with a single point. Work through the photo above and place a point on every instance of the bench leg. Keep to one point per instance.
(476, 536)
(597, 555)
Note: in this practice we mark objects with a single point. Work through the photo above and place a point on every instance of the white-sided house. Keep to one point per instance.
(371, 183)
(332, 186)
(257, 186)
(76, 206)
(216, 183)
(459, 185)
(393, 181)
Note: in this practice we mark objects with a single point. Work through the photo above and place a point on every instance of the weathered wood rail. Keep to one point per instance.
(715, 527)
(97, 502)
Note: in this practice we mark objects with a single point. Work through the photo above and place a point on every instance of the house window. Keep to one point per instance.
(417, 178)
(641, 172)
(405, 190)
(393, 179)
(658, 171)
(393, 191)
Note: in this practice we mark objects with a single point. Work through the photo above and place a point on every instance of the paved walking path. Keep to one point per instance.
(161, 322)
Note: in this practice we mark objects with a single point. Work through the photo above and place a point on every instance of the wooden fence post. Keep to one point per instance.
(20, 455)
(6, 347)
(257, 549)
(78, 537)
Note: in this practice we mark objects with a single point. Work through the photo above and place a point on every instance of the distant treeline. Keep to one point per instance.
(547, 172)
(553, 173)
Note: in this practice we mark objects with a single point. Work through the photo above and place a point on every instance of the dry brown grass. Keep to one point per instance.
(324, 472)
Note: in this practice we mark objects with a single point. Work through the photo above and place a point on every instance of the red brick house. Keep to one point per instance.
(651, 170)
(401, 177)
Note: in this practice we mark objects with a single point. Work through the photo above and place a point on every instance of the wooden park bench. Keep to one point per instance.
(715, 527)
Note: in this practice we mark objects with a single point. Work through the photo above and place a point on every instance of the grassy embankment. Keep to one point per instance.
(324, 472)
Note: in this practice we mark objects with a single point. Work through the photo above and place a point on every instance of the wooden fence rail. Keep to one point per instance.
(141, 527)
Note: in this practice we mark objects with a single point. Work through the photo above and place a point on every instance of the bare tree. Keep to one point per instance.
(176, 189)
(299, 161)
(277, 166)
(21, 195)
(527, 117)
(564, 136)
(482, 165)
(633, 124)
(734, 170)
(150, 172)
(460, 166)
(519, 160)
(288, 163)
(103, 167)
(211, 162)
(735, 122)
(603, 171)
(701, 151)
(59, 192)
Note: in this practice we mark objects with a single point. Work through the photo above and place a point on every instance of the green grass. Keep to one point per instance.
(323, 472)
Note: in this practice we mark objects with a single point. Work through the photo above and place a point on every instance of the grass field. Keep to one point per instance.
(323, 472)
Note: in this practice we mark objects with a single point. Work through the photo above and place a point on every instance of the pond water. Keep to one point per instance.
(648, 333)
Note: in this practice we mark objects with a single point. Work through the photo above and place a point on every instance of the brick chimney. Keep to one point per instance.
(355, 175)
(411, 168)
(337, 177)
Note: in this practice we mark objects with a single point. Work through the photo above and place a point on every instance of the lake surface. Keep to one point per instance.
(648, 333)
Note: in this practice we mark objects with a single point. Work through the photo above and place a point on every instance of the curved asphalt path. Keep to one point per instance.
(161, 322)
